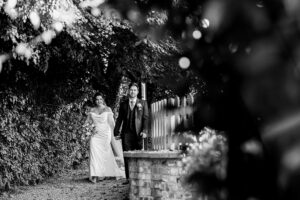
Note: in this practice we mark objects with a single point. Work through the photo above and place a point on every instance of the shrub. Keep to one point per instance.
(35, 145)
(205, 164)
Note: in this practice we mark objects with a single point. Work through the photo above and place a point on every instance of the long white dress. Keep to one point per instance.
(102, 162)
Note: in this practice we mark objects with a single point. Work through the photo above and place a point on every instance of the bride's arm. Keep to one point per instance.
(114, 146)
(111, 120)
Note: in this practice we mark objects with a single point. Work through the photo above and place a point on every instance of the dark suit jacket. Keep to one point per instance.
(141, 118)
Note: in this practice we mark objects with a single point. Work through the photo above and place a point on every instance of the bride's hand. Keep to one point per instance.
(119, 159)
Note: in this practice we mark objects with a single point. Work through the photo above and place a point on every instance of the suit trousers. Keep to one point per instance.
(130, 141)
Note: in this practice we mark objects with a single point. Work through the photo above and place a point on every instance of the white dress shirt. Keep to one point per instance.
(132, 103)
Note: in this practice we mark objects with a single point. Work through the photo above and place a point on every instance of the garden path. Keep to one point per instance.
(71, 185)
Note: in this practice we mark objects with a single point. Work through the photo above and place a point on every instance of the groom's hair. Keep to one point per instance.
(134, 84)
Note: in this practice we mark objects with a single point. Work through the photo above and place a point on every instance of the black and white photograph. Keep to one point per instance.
(149, 99)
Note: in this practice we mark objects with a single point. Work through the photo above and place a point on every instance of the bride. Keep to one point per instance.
(103, 146)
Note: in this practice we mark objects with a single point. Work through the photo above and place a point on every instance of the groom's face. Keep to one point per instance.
(133, 91)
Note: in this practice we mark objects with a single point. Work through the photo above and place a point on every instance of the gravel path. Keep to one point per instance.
(71, 185)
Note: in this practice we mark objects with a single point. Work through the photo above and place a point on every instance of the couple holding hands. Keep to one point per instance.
(104, 152)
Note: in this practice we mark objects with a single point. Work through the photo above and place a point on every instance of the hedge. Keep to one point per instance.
(35, 144)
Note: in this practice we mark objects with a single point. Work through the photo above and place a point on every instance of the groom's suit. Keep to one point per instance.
(133, 121)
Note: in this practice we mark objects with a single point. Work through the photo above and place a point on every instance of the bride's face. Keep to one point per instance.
(99, 101)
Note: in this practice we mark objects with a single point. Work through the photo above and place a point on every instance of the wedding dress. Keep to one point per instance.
(102, 162)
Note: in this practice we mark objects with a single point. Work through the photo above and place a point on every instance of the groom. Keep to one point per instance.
(133, 116)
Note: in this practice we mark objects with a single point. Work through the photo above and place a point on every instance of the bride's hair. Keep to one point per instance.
(101, 95)
(86, 106)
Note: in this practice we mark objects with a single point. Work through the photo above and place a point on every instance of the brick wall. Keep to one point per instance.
(155, 176)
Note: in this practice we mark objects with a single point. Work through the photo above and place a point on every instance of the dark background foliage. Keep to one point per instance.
(247, 57)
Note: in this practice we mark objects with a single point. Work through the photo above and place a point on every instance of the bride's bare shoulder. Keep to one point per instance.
(108, 109)
(92, 109)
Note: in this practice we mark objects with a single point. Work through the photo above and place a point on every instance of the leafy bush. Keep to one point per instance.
(206, 162)
(35, 145)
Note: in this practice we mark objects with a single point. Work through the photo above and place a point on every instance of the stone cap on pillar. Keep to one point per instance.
(153, 154)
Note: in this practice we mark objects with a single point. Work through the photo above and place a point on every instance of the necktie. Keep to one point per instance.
(131, 105)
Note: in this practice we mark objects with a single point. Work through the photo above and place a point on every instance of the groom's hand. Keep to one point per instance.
(143, 134)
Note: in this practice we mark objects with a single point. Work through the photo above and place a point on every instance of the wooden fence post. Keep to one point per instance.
(164, 123)
(156, 127)
(190, 102)
(171, 142)
(153, 125)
